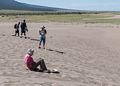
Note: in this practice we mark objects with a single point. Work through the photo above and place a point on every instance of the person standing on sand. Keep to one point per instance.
(24, 28)
(16, 27)
(42, 34)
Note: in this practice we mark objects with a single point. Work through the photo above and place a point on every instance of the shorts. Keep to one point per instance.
(17, 31)
(23, 31)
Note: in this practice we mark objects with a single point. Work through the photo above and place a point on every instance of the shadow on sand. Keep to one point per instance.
(53, 50)
(34, 39)
(56, 51)
(21, 37)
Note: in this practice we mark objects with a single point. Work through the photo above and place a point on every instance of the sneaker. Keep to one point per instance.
(25, 37)
(55, 71)
(47, 71)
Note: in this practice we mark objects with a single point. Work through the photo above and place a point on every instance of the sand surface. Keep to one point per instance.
(91, 55)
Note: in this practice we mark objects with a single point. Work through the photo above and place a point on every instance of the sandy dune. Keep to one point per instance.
(91, 55)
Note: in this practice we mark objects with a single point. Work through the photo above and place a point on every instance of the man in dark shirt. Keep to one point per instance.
(23, 28)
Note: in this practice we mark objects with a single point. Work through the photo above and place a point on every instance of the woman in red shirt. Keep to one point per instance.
(32, 65)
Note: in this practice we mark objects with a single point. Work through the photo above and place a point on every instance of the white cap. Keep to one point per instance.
(30, 51)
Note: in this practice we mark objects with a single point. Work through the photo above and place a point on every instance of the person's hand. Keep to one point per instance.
(27, 30)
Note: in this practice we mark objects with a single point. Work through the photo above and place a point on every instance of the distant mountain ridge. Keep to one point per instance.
(14, 5)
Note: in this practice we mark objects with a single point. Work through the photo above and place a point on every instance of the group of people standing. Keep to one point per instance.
(24, 29)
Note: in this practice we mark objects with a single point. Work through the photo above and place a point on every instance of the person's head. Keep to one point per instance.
(30, 52)
(18, 22)
(24, 20)
(43, 27)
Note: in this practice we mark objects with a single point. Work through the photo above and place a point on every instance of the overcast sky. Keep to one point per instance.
(99, 5)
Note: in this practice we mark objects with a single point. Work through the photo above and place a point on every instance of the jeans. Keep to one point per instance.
(43, 39)
(41, 64)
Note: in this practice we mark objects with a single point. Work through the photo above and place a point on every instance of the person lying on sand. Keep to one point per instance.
(33, 66)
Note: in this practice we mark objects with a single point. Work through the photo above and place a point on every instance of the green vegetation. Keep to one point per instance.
(66, 17)
(80, 18)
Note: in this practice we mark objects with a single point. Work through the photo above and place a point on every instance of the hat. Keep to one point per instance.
(30, 51)
(43, 27)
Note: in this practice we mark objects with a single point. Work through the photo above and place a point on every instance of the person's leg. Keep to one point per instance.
(40, 42)
(21, 33)
(44, 41)
(34, 67)
(41, 63)
(24, 33)
(15, 33)
(18, 33)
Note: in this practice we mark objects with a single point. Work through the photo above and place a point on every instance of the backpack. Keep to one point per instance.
(15, 26)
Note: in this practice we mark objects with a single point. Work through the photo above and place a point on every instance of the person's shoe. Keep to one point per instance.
(25, 37)
(43, 47)
(55, 71)
(39, 47)
(47, 71)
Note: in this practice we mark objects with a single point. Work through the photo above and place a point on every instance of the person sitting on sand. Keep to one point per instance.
(42, 34)
(16, 27)
(23, 28)
(33, 66)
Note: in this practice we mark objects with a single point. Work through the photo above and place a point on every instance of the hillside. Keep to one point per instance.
(14, 5)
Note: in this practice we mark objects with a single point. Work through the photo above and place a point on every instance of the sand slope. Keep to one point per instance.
(91, 55)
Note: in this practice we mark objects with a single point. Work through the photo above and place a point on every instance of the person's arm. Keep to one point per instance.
(24, 24)
(39, 32)
(32, 60)
(26, 27)
(45, 32)
(15, 26)
(21, 25)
